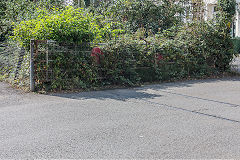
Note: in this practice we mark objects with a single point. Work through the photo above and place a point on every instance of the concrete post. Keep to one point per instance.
(32, 81)
(237, 24)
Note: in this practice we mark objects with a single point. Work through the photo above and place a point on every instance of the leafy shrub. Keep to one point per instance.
(145, 42)
(148, 14)
(195, 50)
(228, 7)
(21, 10)
(70, 68)
(71, 25)
(67, 25)
(120, 61)
(236, 45)
(208, 43)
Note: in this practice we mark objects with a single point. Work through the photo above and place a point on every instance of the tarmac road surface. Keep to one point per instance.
(191, 119)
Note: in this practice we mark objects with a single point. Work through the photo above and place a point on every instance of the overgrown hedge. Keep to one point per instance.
(144, 42)
(148, 14)
(196, 50)
(236, 45)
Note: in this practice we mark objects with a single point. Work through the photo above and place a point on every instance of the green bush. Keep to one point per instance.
(228, 6)
(71, 68)
(70, 25)
(209, 43)
(145, 42)
(236, 45)
(148, 14)
(66, 25)
(21, 10)
(196, 50)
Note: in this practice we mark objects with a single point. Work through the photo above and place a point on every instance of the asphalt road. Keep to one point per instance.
(191, 119)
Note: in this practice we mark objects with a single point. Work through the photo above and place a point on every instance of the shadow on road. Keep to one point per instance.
(117, 94)
(139, 92)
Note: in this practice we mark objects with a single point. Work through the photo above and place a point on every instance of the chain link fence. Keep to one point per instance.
(14, 64)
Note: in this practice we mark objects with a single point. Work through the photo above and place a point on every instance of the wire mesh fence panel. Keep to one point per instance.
(63, 66)
(14, 64)
(69, 66)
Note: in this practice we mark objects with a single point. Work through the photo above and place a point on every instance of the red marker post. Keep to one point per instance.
(96, 52)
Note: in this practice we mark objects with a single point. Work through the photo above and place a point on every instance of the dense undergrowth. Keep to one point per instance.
(144, 41)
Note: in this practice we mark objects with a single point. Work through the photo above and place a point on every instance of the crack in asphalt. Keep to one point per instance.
(186, 110)
(204, 99)
(191, 111)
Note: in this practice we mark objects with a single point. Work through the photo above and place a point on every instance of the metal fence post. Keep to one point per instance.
(32, 81)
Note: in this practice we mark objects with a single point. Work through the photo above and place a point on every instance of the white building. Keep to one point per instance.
(210, 12)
